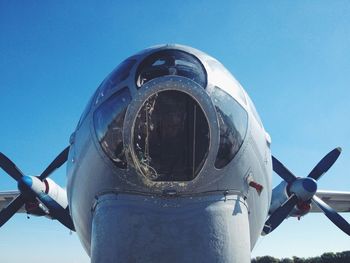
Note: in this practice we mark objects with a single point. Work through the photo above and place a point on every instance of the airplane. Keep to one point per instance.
(170, 162)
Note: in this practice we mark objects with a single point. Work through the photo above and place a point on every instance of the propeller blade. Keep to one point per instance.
(277, 217)
(59, 160)
(10, 168)
(11, 209)
(59, 213)
(326, 163)
(332, 215)
(282, 171)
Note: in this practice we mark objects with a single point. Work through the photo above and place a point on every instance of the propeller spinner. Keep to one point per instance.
(302, 191)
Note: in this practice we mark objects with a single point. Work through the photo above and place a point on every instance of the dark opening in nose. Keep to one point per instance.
(171, 137)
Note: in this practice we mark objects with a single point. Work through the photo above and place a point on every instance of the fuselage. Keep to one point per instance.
(161, 162)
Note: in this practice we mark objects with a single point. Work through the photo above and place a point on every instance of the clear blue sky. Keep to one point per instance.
(292, 57)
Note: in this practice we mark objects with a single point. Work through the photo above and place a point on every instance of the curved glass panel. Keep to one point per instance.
(171, 62)
(171, 137)
(224, 79)
(108, 121)
(118, 75)
(233, 121)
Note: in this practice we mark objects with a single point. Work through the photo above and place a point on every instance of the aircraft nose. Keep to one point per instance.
(171, 120)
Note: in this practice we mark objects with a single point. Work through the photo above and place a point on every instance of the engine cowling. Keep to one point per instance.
(57, 193)
(279, 196)
(302, 188)
(47, 187)
(53, 190)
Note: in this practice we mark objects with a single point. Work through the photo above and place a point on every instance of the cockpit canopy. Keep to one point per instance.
(171, 62)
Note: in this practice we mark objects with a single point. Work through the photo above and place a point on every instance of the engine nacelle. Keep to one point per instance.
(279, 196)
(56, 192)
(47, 188)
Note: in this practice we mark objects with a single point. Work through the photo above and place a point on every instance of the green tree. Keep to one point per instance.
(344, 256)
(266, 259)
(298, 260)
(286, 260)
(341, 257)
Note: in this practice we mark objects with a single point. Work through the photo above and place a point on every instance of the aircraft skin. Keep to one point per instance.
(215, 217)
(171, 163)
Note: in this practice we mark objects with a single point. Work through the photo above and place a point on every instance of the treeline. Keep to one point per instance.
(340, 257)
